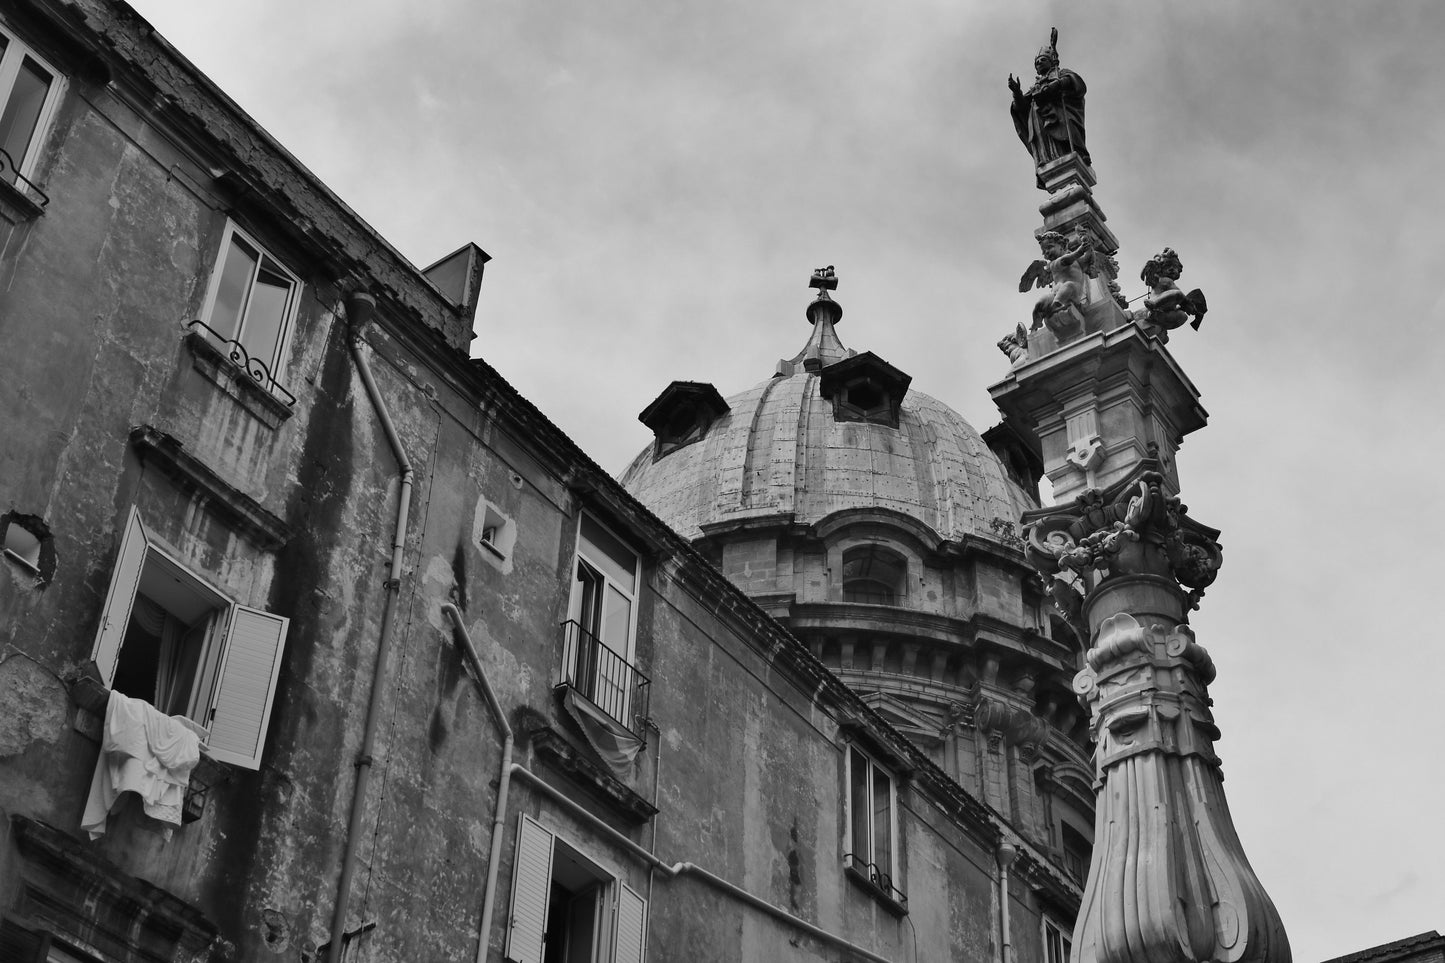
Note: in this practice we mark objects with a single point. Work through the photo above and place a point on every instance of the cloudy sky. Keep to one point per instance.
(656, 181)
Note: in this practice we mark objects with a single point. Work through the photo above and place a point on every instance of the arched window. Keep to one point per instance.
(872, 573)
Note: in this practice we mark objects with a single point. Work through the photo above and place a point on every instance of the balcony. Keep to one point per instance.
(604, 678)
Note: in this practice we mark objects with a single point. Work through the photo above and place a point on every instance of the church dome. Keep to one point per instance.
(832, 430)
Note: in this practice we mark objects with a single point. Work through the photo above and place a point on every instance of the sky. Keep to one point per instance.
(655, 183)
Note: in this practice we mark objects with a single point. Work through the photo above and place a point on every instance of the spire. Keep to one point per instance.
(823, 347)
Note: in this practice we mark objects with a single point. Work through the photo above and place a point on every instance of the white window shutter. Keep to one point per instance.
(241, 704)
(531, 887)
(118, 599)
(631, 925)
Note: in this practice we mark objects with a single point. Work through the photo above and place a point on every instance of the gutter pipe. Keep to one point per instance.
(504, 777)
(1007, 853)
(359, 308)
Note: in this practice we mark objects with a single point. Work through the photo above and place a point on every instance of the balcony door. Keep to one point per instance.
(604, 607)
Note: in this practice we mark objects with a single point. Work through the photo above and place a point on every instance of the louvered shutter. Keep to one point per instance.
(120, 597)
(241, 705)
(20, 944)
(531, 886)
(631, 925)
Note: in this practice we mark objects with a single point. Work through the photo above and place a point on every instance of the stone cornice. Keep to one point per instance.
(241, 511)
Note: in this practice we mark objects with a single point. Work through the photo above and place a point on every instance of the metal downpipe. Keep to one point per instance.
(359, 308)
(504, 777)
(1006, 855)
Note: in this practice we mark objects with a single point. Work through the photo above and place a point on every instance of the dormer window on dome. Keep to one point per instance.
(682, 414)
(864, 388)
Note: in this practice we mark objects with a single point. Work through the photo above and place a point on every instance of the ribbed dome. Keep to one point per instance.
(779, 450)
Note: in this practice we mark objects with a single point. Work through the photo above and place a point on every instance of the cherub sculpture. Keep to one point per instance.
(1015, 345)
(1062, 271)
(1165, 305)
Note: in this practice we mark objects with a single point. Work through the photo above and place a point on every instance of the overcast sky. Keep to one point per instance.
(656, 181)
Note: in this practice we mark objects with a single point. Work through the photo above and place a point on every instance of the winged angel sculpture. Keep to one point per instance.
(1063, 270)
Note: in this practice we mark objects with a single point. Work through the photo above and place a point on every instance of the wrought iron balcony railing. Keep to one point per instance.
(883, 881)
(257, 369)
(10, 173)
(596, 671)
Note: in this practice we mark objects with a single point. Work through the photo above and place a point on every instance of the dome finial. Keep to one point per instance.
(824, 279)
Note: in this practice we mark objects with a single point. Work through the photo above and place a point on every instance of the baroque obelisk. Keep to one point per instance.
(1094, 389)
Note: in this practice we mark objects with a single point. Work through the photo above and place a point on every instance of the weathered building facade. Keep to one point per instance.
(456, 693)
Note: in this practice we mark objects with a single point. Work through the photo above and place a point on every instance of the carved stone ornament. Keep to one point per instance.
(1166, 306)
(1133, 528)
(1169, 879)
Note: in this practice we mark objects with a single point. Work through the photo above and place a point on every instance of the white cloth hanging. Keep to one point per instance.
(146, 752)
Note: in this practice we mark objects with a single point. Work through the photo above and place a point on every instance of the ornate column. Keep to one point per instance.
(1094, 390)
(1169, 880)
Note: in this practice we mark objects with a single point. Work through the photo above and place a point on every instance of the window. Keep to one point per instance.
(168, 637)
(602, 619)
(1057, 945)
(498, 533)
(29, 91)
(872, 573)
(1077, 852)
(872, 853)
(250, 305)
(567, 909)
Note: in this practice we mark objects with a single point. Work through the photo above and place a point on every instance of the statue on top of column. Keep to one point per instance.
(1049, 116)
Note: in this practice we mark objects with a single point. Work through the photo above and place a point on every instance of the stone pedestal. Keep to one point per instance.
(1099, 406)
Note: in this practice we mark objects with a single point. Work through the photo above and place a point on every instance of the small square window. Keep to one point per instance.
(251, 307)
(29, 91)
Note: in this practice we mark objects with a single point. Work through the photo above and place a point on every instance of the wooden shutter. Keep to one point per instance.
(20, 944)
(631, 925)
(531, 887)
(118, 599)
(241, 705)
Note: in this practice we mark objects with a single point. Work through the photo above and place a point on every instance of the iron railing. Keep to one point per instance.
(607, 679)
(877, 877)
(255, 367)
(10, 173)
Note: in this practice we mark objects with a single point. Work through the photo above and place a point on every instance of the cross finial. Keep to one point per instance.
(825, 280)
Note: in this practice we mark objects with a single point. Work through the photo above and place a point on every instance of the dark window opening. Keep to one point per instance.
(873, 574)
(1077, 853)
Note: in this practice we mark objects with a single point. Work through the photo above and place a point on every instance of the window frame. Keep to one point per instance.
(226, 637)
(593, 559)
(866, 866)
(286, 331)
(618, 932)
(1064, 936)
(16, 50)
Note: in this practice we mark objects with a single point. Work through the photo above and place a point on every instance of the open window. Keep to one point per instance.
(568, 909)
(168, 637)
(864, 388)
(874, 574)
(871, 848)
(251, 306)
(599, 641)
(29, 91)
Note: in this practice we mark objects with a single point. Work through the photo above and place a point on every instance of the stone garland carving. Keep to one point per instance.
(1143, 530)
(1169, 880)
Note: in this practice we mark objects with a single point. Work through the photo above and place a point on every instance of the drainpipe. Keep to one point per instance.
(1006, 856)
(359, 308)
(504, 778)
